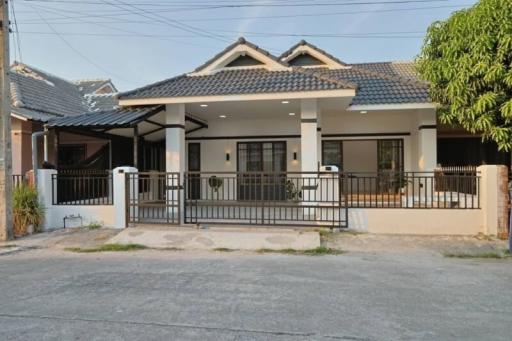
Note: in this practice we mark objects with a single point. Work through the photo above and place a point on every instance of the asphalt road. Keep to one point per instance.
(157, 295)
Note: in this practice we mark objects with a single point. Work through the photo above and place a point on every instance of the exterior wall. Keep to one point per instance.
(21, 136)
(93, 144)
(107, 215)
(336, 125)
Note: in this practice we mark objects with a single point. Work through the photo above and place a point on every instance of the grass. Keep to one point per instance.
(8, 246)
(109, 248)
(319, 251)
(223, 249)
(495, 254)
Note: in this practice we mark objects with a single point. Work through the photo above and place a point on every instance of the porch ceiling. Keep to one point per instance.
(270, 109)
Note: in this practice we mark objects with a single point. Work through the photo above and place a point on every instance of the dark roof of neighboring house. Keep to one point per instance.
(37, 95)
(231, 82)
(375, 83)
(305, 43)
(89, 86)
(121, 117)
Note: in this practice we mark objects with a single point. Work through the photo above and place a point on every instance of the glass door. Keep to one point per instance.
(264, 164)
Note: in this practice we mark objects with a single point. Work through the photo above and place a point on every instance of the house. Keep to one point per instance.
(38, 97)
(253, 138)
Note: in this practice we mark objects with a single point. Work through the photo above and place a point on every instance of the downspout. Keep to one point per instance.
(35, 135)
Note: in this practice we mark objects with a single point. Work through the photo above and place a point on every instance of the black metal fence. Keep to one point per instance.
(412, 190)
(82, 188)
(153, 197)
(18, 179)
(261, 198)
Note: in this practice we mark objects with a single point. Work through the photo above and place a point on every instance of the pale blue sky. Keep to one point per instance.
(136, 42)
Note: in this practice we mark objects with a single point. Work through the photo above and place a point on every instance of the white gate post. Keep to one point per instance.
(120, 195)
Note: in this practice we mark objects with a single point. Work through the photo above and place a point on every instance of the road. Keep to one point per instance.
(165, 295)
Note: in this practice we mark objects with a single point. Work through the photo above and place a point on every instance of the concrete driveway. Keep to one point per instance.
(163, 295)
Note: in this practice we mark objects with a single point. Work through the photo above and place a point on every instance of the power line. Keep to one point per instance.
(90, 61)
(235, 18)
(16, 38)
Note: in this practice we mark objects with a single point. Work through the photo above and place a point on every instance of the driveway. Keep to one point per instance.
(50, 294)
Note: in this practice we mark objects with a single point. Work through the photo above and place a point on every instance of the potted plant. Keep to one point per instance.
(215, 183)
(292, 193)
(27, 211)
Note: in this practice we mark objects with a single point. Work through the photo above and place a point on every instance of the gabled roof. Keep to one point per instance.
(37, 95)
(375, 83)
(236, 82)
(304, 43)
(90, 86)
(240, 42)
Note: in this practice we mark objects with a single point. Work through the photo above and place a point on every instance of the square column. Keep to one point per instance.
(175, 138)
(309, 135)
(427, 142)
(175, 159)
(319, 137)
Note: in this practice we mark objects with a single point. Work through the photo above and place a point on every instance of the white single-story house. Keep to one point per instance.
(300, 138)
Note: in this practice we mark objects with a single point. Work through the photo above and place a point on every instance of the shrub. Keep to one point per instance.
(26, 209)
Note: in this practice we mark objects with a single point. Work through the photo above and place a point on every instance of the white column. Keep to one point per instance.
(308, 135)
(120, 196)
(175, 153)
(427, 142)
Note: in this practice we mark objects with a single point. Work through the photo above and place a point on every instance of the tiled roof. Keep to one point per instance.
(375, 83)
(236, 82)
(101, 102)
(122, 117)
(396, 69)
(376, 88)
(38, 95)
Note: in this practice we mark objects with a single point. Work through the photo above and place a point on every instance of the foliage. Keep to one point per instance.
(27, 210)
(319, 251)
(497, 254)
(467, 60)
(215, 182)
(292, 193)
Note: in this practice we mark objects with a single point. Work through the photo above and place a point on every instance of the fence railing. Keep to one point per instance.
(18, 179)
(412, 190)
(262, 198)
(82, 189)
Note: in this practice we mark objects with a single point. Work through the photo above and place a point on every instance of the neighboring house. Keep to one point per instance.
(38, 97)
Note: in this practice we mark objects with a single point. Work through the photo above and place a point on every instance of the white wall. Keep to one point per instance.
(349, 125)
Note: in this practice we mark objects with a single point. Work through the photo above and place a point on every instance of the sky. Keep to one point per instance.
(137, 42)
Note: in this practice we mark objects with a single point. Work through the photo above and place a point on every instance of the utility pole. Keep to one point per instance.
(6, 232)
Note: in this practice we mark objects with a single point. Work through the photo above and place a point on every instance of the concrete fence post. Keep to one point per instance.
(120, 204)
(494, 199)
(45, 188)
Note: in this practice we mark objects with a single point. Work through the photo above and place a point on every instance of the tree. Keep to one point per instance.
(467, 60)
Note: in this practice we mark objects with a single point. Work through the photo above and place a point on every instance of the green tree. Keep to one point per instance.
(467, 60)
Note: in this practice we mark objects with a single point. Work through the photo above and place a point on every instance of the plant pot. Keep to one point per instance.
(30, 229)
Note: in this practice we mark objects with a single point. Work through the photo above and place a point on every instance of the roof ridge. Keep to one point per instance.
(75, 81)
(387, 62)
(388, 77)
(325, 77)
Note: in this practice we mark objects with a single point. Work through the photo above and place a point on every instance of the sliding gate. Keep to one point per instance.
(265, 198)
(153, 198)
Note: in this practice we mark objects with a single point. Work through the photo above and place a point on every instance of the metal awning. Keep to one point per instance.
(125, 117)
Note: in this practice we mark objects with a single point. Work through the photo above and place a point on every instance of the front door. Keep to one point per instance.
(262, 167)
(194, 165)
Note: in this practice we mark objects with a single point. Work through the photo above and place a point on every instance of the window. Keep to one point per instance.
(332, 154)
(262, 156)
(71, 155)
